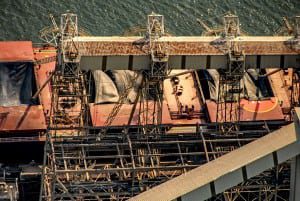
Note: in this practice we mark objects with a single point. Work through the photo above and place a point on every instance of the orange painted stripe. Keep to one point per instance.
(275, 103)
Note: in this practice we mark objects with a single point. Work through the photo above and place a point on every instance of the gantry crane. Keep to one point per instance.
(69, 105)
(219, 30)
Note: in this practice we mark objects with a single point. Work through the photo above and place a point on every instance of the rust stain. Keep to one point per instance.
(251, 110)
(100, 48)
(22, 118)
(16, 51)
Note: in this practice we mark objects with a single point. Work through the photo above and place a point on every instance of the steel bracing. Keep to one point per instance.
(230, 86)
(69, 106)
(249, 167)
(126, 162)
(116, 163)
(273, 184)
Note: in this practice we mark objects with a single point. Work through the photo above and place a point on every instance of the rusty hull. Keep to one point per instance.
(22, 118)
(42, 72)
(25, 118)
(29, 118)
(100, 112)
(16, 51)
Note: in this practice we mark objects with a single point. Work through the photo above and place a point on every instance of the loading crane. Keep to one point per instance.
(219, 30)
(209, 31)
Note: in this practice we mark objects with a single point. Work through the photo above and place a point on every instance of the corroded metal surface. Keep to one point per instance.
(42, 72)
(226, 169)
(22, 118)
(100, 112)
(280, 84)
(99, 46)
(251, 110)
(27, 117)
(189, 99)
(16, 51)
(183, 98)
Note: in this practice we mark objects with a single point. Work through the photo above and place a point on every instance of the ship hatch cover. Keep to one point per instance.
(16, 51)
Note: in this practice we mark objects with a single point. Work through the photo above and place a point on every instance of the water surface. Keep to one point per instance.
(22, 19)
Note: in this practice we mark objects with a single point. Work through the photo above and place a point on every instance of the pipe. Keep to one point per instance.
(42, 87)
(271, 73)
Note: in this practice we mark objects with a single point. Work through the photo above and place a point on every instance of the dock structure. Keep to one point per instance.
(236, 167)
(189, 52)
(159, 117)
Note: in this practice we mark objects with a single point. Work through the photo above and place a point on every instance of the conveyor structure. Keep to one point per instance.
(165, 145)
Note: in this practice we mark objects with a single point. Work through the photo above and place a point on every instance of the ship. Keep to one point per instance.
(151, 117)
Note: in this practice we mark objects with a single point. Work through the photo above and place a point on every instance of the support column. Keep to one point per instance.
(295, 164)
(295, 179)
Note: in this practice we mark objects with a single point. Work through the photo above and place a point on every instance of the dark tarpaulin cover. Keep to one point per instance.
(251, 85)
(15, 84)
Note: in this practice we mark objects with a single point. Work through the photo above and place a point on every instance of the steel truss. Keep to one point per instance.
(230, 88)
(130, 159)
(152, 91)
(295, 92)
(68, 117)
(126, 162)
(231, 79)
(159, 64)
(69, 106)
(273, 184)
(231, 25)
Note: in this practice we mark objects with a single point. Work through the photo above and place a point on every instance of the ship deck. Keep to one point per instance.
(191, 97)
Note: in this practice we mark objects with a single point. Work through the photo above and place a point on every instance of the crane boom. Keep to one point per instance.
(205, 26)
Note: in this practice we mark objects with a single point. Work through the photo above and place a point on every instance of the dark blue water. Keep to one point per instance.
(22, 19)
